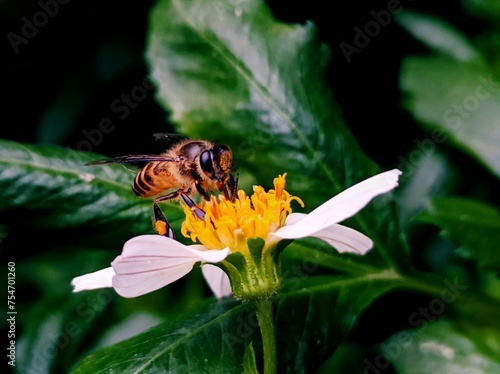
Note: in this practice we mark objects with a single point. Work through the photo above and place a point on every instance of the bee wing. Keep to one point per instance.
(166, 139)
(132, 159)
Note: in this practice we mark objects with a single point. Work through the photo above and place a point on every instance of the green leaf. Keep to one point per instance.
(55, 327)
(127, 328)
(211, 339)
(249, 363)
(472, 224)
(438, 35)
(348, 358)
(315, 314)
(256, 83)
(437, 347)
(216, 336)
(50, 272)
(488, 9)
(426, 174)
(51, 187)
(459, 101)
(231, 72)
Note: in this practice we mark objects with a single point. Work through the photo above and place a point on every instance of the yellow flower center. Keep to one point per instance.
(231, 224)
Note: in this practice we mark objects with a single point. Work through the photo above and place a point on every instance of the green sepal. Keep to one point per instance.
(237, 260)
(280, 247)
(234, 265)
(256, 246)
(254, 274)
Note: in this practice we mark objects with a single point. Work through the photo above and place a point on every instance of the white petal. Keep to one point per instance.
(293, 218)
(150, 262)
(341, 206)
(157, 245)
(140, 283)
(345, 239)
(217, 280)
(99, 279)
(342, 238)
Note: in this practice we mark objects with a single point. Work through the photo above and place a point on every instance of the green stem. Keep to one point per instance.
(264, 310)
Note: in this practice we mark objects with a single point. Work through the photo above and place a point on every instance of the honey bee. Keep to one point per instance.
(189, 167)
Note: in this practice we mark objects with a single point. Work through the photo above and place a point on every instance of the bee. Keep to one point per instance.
(188, 167)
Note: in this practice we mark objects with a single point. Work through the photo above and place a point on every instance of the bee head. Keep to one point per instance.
(216, 163)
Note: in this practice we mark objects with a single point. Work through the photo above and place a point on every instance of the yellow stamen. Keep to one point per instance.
(231, 224)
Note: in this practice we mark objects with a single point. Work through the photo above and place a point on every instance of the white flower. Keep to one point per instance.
(149, 262)
(322, 222)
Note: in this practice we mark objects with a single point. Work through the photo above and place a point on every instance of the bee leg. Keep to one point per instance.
(161, 225)
(223, 187)
(202, 193)
(233, 185)
(190, 203)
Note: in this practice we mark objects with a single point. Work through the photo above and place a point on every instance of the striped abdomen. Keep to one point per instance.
(153, 179)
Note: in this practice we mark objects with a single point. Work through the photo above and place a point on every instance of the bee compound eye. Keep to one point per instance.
(206, 162)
